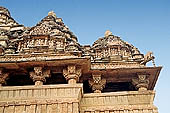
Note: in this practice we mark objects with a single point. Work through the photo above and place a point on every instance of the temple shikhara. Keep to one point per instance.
(44, 69)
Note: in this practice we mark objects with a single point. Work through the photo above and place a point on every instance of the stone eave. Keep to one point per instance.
(35, 57)
(127, 74)
(57, 61)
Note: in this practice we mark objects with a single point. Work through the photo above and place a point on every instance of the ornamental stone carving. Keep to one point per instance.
(112, 48)
(97, 83)
(51, 37)
(72, 74)
(39, 75)
(141, 82)
(3, 77)
(148, 57)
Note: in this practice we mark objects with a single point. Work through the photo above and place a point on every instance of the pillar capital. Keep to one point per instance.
(72, 73)
(97, 83)
(39, 75)
(141, 82)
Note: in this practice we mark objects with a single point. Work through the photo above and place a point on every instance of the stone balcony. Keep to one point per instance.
(119, 102)
(61, 98)
(66, 98)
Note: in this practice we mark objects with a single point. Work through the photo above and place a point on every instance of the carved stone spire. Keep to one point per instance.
(107, 33)
(141, 82)
(97, 83)
(39, 75)
(72, 74)
(3, 77)
(51, 13)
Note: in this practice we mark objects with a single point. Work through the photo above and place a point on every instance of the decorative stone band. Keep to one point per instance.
(39, 75)
(72, 74)
(97, 83)
(119, 102)
(34, 57)
(114, 65)
(3, 76)
(141, 82)
(121, 109)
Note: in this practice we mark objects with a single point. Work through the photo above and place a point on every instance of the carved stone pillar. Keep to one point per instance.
(39, 75)
(72, 74)
(97, 83)
(3, 77)
(141, 82)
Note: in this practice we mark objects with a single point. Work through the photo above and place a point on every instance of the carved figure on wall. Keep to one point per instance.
(148, 57)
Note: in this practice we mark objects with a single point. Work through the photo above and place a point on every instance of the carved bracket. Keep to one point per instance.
(142, 82)
(97, 83)
(72, 74)
(3, 77)
(39, 75)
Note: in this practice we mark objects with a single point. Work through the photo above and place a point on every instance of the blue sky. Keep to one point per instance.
(143, 23)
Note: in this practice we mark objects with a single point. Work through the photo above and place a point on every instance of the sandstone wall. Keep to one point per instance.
(67, 98)
(119, 102)
(41, 99)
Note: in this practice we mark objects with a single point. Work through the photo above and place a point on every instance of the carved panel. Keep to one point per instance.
(40, 44)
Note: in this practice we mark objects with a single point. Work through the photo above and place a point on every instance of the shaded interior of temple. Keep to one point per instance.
(24, 79)
(119, 86)
(111, 87)
(19, 80)
(58, 78)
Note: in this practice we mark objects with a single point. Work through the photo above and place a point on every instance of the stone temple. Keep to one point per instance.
(43, 69)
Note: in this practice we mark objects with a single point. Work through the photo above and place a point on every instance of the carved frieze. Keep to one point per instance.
(40, 44)
(114, 65)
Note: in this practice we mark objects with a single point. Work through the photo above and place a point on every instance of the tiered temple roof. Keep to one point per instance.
(50, 43)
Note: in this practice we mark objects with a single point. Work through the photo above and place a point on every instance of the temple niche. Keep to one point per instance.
(44, 69)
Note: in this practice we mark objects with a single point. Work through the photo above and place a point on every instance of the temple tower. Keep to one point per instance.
(43, 69)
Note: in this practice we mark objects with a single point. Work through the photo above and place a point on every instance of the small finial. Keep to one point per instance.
(107, 33)
(51, 13)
